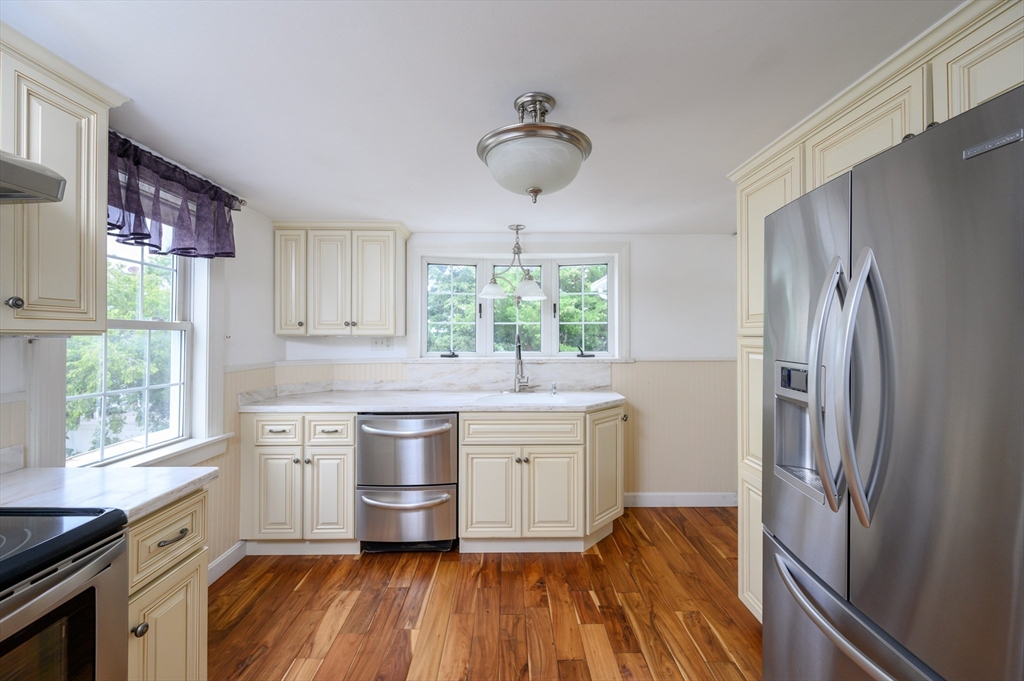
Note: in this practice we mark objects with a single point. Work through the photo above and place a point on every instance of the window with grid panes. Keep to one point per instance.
(524, 319)
(583, 308)
(451, 308)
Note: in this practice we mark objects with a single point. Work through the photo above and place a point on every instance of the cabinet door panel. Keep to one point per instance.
(605, 443)
(329, 283)
(751, 377)
(54, 253)
(290, 289)
(373, 283)
(489, 493)
(328, 493)
(175, 608)
(279, 481)
(750, 544)
(552, 491)
(868, 128)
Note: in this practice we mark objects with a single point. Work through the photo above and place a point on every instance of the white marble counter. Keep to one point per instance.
(412, 401)
(136, 491)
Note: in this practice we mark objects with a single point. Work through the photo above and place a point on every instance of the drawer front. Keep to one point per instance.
(163, 538)
(521, 428)
(330, 429)
(278, 430)
(406, 514)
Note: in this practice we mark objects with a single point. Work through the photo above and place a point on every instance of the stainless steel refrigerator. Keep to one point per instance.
(894, 412)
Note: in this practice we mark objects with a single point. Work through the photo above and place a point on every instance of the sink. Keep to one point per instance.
(521, 398)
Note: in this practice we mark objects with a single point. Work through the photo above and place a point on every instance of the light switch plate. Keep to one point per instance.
(382, 343)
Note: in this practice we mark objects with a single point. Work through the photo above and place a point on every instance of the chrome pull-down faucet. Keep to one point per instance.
(521, 380)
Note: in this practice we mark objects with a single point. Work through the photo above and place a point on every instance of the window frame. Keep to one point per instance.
(615, 255)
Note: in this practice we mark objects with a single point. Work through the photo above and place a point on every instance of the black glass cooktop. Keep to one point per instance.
(33, 539)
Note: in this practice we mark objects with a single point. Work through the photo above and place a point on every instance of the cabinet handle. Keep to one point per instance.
(300, 324)
(167, 542)
(526, 459)
(519, 459)
(348, 323)
(328, 430)
(308, 460)
(625, 417)
(295, 460)
(277, 430)
(15, 302)
(140, 630)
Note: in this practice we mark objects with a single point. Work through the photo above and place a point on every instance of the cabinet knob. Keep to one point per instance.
(15, 302)
(519, 459)
(353, 323)
(348, 324)
(308, 460)
(526, 459)
(300, 324)
(295, 460)
(625, 417)
(140, 630)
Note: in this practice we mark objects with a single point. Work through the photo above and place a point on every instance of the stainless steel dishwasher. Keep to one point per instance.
(406, 481)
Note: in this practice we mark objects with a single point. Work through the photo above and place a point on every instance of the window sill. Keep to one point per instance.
(532, 359)
(184, 453)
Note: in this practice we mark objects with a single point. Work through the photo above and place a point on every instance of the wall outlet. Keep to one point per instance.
(382, 343)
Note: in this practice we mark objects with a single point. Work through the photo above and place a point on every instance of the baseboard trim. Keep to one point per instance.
(534, 544)
(652, 499)
(300, 547)
(225, 561)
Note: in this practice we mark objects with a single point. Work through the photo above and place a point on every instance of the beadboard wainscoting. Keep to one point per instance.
(679, 436)
(13, 413)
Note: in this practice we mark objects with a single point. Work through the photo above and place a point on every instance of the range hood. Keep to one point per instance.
(24, 181)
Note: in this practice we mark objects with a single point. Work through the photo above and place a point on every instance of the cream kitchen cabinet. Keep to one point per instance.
(167, 585)
(53, 255)
(605, 467)
(529, 491)
(333, 281)
(297, 491)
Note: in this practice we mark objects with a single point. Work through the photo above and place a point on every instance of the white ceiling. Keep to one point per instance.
(372, 110)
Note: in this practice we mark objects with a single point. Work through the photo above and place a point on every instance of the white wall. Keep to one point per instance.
(12, 365)
(681, 302)
(249, 294)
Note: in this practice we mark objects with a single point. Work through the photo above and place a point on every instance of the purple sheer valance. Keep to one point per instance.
(152, 202)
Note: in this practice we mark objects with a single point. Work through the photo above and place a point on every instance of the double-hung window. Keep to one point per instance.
(579, 314)
(127, 390)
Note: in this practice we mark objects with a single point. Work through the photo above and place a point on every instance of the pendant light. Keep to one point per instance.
(527, 289)
(534, 157)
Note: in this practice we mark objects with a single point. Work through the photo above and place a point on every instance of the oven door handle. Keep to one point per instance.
(429, 503)
(23, 608)
(426, 432)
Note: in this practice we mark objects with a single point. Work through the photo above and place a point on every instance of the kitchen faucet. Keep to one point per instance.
(520, 380)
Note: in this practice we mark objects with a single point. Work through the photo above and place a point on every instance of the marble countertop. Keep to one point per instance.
(412, 401)
(136, 491)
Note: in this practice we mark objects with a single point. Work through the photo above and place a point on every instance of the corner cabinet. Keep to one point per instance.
(339, 279)
(53, 255)
(298, 476)
(973, 55)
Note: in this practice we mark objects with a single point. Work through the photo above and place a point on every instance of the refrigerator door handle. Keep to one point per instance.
(833, 485)
(865, 497)
(826, 627)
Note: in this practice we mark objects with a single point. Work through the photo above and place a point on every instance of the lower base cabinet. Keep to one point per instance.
(168, 641)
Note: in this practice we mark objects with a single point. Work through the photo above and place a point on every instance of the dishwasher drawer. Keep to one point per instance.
(407, 449)
(406, 514)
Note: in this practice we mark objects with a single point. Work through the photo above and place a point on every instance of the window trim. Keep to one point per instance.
(616, 254)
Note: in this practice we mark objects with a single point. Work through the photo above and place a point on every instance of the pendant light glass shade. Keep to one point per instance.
(529, 289)
(492, 290)
(532, 163)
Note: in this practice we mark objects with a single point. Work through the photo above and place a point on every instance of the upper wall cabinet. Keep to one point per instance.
(868, 127)
(984, 63)
(339, 279)
(762, 192)
(53, 255)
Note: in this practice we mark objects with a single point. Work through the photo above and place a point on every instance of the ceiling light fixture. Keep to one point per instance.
(534, 157)
(527, 289)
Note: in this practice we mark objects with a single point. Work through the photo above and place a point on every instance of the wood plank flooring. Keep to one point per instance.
(655, 600)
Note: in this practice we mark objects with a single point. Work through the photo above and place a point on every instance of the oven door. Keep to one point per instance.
(72, 622)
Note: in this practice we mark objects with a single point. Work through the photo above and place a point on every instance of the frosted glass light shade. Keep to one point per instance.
(492, 290)
(527, 163)
(529, 289)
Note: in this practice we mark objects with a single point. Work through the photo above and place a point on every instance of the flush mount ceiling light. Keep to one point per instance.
(527, 289)
(534, 157)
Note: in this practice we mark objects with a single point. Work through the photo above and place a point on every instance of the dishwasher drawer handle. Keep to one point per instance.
(437, 501)
(426, 432)
(167, 542)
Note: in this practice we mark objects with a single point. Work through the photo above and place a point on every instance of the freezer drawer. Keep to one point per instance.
(405, 450)
(811, 633)
(406, 514)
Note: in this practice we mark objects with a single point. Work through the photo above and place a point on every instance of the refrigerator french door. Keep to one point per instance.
(894, 412)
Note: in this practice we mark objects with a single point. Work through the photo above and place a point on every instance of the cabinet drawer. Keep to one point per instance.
(521, 428)
(278, 430)
(159, 540)
(330, 429)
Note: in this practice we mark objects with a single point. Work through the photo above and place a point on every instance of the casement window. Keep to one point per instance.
(580, 312)
(127, 390)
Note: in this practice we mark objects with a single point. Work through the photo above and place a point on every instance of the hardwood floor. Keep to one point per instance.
(655, 600)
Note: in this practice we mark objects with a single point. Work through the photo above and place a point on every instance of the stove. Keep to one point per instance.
(34, 539)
